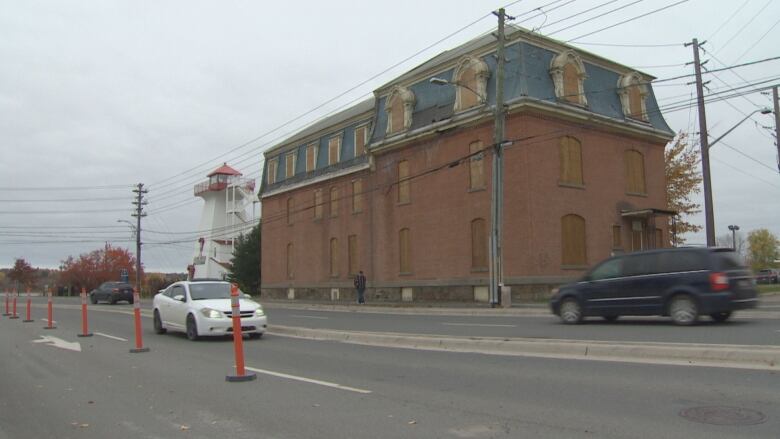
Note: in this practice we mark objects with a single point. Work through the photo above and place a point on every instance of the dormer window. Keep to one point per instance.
(399, 107)
(470, 78)
(272, 166)
(633, 92)
(568, 74)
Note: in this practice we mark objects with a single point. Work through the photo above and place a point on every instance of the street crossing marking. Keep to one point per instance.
(479, 324)
(110, 336)
(308, 380)
(308, 317)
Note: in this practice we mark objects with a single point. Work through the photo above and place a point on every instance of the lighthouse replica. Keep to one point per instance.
(227, 195)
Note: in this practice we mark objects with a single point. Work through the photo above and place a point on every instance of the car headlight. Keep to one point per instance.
(211, 313)
(259, 312)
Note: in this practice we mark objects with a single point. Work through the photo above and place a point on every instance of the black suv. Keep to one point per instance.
(682, 283)
(112, 292)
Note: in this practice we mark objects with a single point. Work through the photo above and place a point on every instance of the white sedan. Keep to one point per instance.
(202, 308)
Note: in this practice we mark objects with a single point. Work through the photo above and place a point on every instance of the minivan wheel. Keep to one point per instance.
(571, 312)
(192, 328)
(720, 317)
(683, 310)
(158, 327)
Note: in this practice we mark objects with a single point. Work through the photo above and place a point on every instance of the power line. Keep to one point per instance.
(745, 25)
(631, 45)
(628, 20)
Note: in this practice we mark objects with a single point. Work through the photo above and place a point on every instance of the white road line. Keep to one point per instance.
(113, 337)
(308, 380)
(308, 317)
(53, 322)
(479, 324)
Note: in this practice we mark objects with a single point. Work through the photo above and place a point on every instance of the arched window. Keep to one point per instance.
(404, 251)
(399, 107)
(571, 161)
(318, 204)
(573, 240)
(334, 202)
(290, 261)
(635, 172)
(290, 210)
(334, 262)
(479, 247)
(633, 92)
(568, 74)
(470, 79)
(476, 166)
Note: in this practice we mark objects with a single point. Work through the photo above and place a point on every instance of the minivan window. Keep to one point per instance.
(610, 269)
(680, 261)
(638, 265)
(728, 260)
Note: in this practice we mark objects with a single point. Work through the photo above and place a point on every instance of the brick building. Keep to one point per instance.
(399, 185)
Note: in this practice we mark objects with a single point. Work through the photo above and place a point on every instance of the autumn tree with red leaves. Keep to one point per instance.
(98, 266)
(22, 274)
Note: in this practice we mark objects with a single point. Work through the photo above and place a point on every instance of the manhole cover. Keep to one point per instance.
(723, 415)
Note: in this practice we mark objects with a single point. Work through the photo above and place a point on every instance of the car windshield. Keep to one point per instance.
(202, 291)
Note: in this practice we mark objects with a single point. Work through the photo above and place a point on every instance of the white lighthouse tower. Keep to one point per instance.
(227, 195)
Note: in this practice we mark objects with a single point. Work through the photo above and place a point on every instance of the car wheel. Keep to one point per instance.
(192, 328)
(683, 310)
(158, 327)
(720, 317)
(571, 312)
(113, 301)
(610, 318)
(93, 299)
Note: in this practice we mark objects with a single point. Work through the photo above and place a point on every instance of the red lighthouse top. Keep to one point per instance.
(224, 170)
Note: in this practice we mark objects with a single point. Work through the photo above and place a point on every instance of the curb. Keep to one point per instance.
(730, 356)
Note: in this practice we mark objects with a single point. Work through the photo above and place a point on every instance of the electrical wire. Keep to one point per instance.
(628, 20)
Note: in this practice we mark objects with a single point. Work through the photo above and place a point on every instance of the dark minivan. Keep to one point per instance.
(112, 292)
(683, 283)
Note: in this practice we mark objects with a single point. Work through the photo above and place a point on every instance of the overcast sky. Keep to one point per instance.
(98, 96)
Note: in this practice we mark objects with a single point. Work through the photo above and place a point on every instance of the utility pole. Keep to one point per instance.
(776, 103)
(138, 214)
(704, 144)
(497, 195)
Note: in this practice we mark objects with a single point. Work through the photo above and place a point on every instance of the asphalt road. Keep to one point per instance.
(310, 389)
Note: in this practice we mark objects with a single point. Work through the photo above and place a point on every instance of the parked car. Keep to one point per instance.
(683, 283)
(768, 276)
(202, 308)
(112, 292)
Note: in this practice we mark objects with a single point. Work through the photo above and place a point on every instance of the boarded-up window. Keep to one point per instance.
(352, 254)
(272, 166)
(571, 161)
(334, 253)
(617, 239)
(361, 136)
(404, 251)
(573, 240)
(476, 166)
(290, 261)
(571, 84)
(635, 102)
(635, 172)
(311, 157)
(334, 202)
(290, 210)
(637, 235)
(404, 195)
(659, 238)
(468, 83)
(334, 147)
(396, 120)
(479, 245)
(289, 162)
(318, 204)
(357, 196)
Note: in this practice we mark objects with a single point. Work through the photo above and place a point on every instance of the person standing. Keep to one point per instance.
(360, 285)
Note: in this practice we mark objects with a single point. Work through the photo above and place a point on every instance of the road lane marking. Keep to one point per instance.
(110, 336)
(308, 380)
(479, 324)
(300, 316)
(53, 322)
(59, 343)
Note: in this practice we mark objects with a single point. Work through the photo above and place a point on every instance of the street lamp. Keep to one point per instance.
(442, 81)
(734, 229)
(709, 215)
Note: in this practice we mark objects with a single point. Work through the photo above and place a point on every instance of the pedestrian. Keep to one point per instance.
(360, 285)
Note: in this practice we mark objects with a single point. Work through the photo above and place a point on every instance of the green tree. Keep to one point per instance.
(763, 249)
(682, 181)
(245, 265)
(22, 274)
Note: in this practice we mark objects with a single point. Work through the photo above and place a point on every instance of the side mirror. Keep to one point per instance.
(179, 297)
